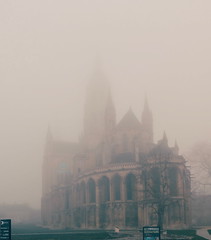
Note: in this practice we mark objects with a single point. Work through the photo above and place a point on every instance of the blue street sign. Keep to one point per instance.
(5, 229)
(151, 233)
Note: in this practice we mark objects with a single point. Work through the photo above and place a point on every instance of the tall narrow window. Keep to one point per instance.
(91, 191)
(83, 193)
(173, 181)
(104, 186)
(116, 187)
(155, 182)
(130, 185)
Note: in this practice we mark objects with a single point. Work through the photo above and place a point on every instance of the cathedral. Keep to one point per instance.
(115, 175)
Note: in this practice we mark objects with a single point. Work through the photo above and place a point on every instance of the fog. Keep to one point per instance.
(49, 50)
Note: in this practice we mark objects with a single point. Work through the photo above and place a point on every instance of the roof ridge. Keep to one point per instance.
(129, 121)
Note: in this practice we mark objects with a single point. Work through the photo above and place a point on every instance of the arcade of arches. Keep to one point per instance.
(108, 199)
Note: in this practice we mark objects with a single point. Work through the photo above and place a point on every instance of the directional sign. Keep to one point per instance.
(151, 233)
(5, 229)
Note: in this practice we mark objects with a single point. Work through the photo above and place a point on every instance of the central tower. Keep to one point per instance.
(95, 109)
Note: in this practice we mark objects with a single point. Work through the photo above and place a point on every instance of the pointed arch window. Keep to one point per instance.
(130, 184)
(104, 186)
(173, 181)
(154, 186)
(91, 191)
(116, 187)
(83, 193)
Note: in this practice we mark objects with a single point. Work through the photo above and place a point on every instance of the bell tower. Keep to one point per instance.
(95, 108)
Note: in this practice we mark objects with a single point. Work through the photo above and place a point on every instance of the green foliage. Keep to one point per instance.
(62, 236)
(33, 232)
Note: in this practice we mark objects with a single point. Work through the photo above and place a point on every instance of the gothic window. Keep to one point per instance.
(174, 212)
(66, 200)
(130, 184)
(117, 187)
(173, 181)
(104, 187)
(77, 194)
(91, 191)
(155, 182)
(83, 193)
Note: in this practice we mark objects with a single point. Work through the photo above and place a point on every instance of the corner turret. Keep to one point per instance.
(176, 148)
(164, 140)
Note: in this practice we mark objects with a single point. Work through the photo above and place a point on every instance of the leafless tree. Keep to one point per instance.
(157, 186)
(200, 159)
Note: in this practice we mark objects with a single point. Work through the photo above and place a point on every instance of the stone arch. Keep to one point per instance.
(116, 187)
(130, 187)
(104, 189)
(91, 186)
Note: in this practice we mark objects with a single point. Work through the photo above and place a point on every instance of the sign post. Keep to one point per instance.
(5, 229)
(151, 233)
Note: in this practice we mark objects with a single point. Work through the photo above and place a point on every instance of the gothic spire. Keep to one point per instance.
(147, 122)
(165, 139)
(49, 140)
(176, 147)
(110, 113)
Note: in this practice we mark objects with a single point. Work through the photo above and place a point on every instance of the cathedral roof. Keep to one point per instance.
(129, 121)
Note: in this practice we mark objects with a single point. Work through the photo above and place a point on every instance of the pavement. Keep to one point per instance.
(204, 233)
(201, 232)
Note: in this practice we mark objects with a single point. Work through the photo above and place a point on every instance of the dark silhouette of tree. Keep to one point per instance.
(158, 193)
(199, 157)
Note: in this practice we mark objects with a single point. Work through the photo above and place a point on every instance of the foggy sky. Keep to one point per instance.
(48, 51)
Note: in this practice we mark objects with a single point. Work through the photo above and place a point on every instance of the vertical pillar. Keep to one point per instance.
(123, 197)
(146, 215)
(87, 204)
(97, 205)
(139, 200)
(110, 207)
(71, 207)
(183, 212)
(166, 219)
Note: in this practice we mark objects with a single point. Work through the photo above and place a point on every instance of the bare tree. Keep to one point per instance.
(200, 159)
(158, 193)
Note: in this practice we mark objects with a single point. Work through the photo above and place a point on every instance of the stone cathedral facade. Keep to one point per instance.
(115, 175)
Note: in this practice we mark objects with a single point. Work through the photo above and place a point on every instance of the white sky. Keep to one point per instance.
(47, 55)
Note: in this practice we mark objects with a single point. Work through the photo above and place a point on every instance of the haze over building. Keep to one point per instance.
(115, 174)
(47, 50)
